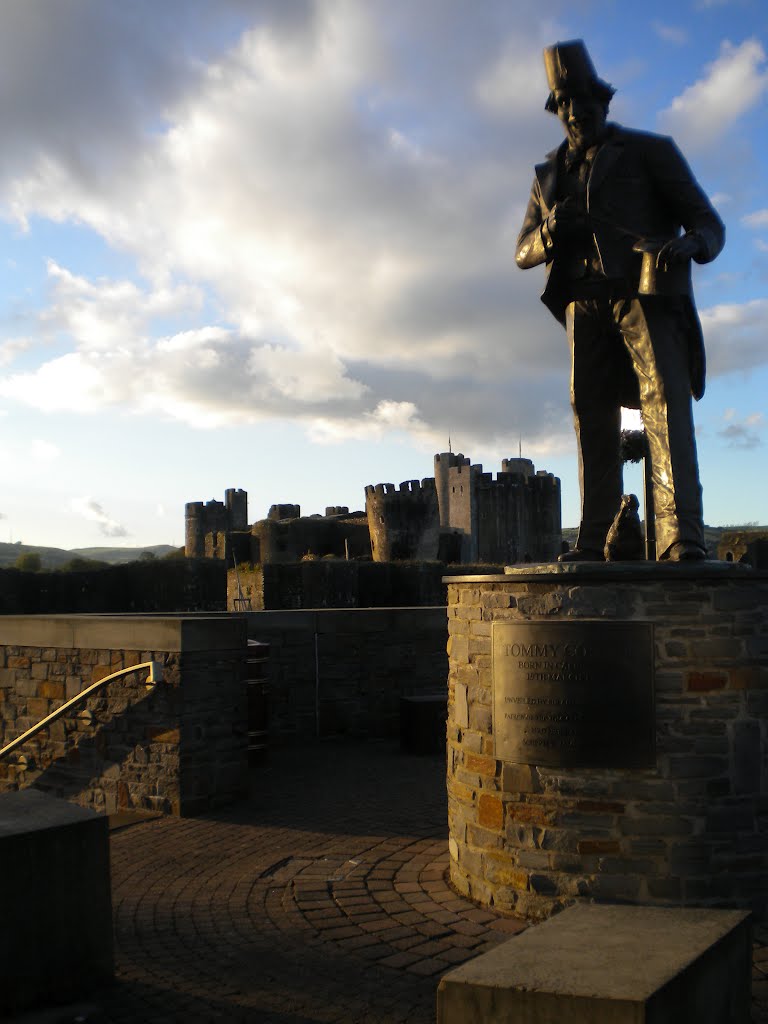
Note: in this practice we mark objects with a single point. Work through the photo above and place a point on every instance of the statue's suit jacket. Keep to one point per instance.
(640, 186)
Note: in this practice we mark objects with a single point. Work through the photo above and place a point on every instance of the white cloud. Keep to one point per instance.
(387, 417)
(13, 347)
(93, 512)
(670, 33)
(351, 217)
(508, 87)
(44, 451)
(735, 336)
(742, 432)
(731, 86)
(325, 225)
(758, 219)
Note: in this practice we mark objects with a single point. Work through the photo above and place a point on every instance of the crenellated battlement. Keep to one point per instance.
(284, 511)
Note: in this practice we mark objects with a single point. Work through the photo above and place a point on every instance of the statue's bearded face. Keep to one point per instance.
(582, 114)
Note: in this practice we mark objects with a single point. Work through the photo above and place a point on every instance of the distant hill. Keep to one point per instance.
(118, 556)
(54, 557)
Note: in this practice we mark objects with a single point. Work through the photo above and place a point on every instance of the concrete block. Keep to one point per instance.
(610, 965)
(56, 939)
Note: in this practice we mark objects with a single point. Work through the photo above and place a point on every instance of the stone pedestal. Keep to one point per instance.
(684, 822)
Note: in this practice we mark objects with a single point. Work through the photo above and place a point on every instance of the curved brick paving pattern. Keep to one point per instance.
(323, 898)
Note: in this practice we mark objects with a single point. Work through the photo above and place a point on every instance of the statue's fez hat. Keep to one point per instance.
(568, 65)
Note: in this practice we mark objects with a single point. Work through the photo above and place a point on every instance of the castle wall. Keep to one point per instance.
(749, 546)
(502, 518)
(159, 585)
(518, 516)
(337, 672)
(335, 583)
(545, 510)
(290, 540)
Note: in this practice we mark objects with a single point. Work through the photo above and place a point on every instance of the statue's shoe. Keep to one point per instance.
(685, 551)
(581, 555)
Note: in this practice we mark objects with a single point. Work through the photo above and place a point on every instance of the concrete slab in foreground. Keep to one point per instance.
(56, 934)
(610, 965)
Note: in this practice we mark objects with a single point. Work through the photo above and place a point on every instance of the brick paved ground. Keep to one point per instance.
(321, 899)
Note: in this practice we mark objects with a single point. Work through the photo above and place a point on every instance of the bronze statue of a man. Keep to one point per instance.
(605, 216)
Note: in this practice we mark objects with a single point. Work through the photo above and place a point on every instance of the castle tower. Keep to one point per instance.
(444, 462)
(403, 523)
(207, 526)
(517, 514)
(194, 530)
(236, 501)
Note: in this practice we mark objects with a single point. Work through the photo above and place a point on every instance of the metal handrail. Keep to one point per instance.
(155, 676)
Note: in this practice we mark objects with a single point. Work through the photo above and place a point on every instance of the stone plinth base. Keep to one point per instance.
(610, 965)
(688, 828)
(56, 938)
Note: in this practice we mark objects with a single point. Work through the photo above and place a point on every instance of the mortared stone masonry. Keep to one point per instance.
(691, 831)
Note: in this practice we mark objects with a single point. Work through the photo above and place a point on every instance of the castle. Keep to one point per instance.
(208, 526)
(462, 515)
(216, 529)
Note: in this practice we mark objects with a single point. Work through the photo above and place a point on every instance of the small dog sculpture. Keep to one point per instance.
(625, 542)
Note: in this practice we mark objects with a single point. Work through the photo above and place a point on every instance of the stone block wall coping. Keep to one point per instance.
(32, 811)
(609, 955)
(334, 620)
(124, 632)
(619, 572)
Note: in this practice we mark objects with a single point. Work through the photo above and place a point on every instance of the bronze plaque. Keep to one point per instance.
(574, 694)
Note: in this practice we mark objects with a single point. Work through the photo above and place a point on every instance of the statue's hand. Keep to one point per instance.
(566, 219)
(678, 250)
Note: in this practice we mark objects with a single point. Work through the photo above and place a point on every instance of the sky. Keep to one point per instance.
(270, 244)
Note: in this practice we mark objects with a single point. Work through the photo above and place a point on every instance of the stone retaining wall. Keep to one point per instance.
(179, 746)
(343, 671)
(691, 831)
(336, 583)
